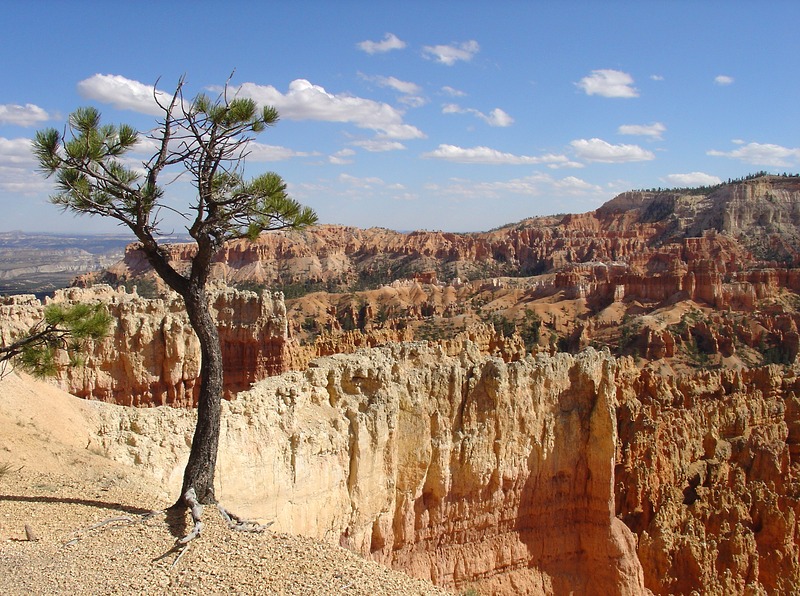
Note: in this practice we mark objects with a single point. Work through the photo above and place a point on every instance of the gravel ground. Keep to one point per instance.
(60, 491)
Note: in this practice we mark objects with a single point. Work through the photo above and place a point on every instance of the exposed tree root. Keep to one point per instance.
(240, 524)
(122, 519)
(234, 522)
(196, 509)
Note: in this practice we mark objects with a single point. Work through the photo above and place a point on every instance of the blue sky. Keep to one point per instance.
(458, 116)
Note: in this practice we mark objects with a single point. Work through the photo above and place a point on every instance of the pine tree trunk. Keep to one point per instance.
(200, 468)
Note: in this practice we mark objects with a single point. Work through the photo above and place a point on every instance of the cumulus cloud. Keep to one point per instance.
(567, 163)
(16, 151)
(601, 151)
(302, 101)
(450, 54)
(341, 157)
(496, 117)
(379, 145)
(260, 153)
(27, 115)
(411, 91)
(654, 130)
(723, 80)
(608, 83)
(452, 91)
(16, 168)
(413, 101)
(18, 180)
(305, 101)
(123, 93)
(533, 185)
(487, 155)
(762, 154)
(363, 183)
(655, 77)
(691, 179)
(575, 186)
(406, 87)
(389, 42)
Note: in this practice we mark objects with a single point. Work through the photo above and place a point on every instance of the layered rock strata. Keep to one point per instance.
(708, 477)
(461, 469)
(151, 355)
(652, 234)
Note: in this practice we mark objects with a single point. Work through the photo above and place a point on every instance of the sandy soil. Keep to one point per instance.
(51, 483)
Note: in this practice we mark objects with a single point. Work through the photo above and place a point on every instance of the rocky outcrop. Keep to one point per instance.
(479, 470)
(152, 356)
(718, 231)
(707, 477)
(461, 469)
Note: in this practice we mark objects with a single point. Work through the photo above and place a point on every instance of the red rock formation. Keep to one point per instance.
(152, 357)
(641, 245)
(462, 469)
(707, 476)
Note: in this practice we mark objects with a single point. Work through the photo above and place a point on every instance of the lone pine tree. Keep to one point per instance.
(206, 139)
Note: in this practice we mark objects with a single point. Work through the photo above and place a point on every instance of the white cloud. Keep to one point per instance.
(656, 77)
(654, 130)
(389, 42)
(723, 80)
(259, 152)
(496, 117)
(363, 183)
(147, 146)
(406, 87)
(691, 179)
(575, 186)
(762, 154)
(452, 92)
(413, 101)
(560, 165)
(26, 115)
(486, 155)
(533, 185)
(341, 157)
(608, 83)
(451, 54)
(16, 151)
(123, 93)
(604, 152)
(19, 180)
(411, 91)
(379, 145)
(17, 164)
(304, 101)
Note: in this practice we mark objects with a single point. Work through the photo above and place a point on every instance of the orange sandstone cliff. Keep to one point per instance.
(488, 456)
(462, 469)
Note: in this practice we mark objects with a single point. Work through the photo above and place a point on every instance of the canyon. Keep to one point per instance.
(603, 402)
